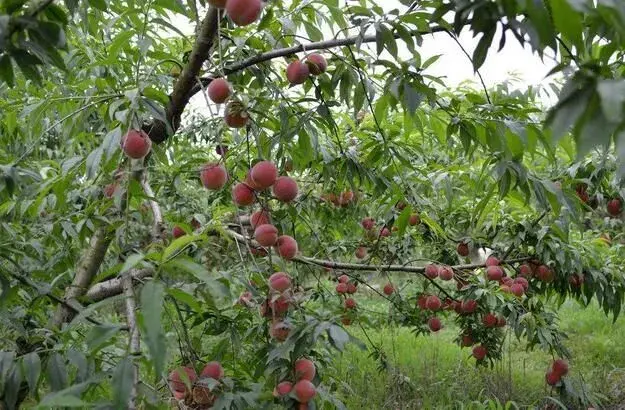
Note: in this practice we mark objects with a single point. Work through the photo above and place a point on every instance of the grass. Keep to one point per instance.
(430, 372)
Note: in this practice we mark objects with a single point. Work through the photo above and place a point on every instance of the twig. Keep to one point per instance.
(135, 347)
(157, 215)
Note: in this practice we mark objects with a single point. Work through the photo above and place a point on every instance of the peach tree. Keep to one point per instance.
(194, 195)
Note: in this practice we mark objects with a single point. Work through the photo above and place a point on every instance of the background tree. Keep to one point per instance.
(125, 283)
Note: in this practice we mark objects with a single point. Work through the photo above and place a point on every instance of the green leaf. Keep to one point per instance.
(612, 93)
(99, 336)
(481, 50)
(402, 220)
(131, 262)
(122, 383)
(185, 298)
(152, 299)
(179, 244)
(98, 4)
(57, 372)
(338, 336)
(32, 369)
(6, 70)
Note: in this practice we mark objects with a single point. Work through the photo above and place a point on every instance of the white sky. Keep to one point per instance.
(512, 63)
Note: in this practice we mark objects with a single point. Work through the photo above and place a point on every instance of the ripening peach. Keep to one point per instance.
(177, 232)
(242, 195)
(388, 289)
(213, 370)
(177, 383)
(435, 324)
(286, 247)
(285, 189)
(304, 369)
(235, 115)
(266, 235)
(136, 144)
(446, 273)
(214, 176)
(492, 261)
(433, 303)
(349, 303)
(361, 252)
(317, 63)
(494, 272)
(218, 90)
(463, 249)
(368, 223)
(264, 174)
(304, 391)
(244, 12)
(431, 271)
(259, 218)
(297, 72)
(280, 281)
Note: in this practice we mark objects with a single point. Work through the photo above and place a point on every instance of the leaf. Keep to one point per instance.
(28, 65)
(6, 70)
(338, 336)
(412, 98)
(216, 288)
(152, 299)
(57, 372)
(481, 50)
(567, 21)
(185, 298)
(612, 93)
(179, 244)
(98, 4)
(93, 162)
(122, 383)
(100, 335)
(402, 220)
(131, 262)
(32, 369)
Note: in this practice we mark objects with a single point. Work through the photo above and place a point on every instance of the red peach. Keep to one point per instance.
(494, 272)
(349, 303)
(614, 207)
(260, 218)
(136, 144)
(242, 195)
(435, 324)
(282, 389)
(235, 115)
(343, 278)
(264, 174)
(317, 64)
(341, 288)
(280, 281)
(414, 219)
(469, 306)
(244, 12)
(463, 249)
(489, 320)
(552, 378)
(304, 369)
(280, 331)
(286, 247)
(285, 189)
(351, 288)
(213, 176)
(384, 233)
(367, 223)
(525, 270)
(177, 232)
(388, 289)
(446, 273)
(213, 370)
(361, 252)
(218, 90)
(297, 72)
(517, 290)
(480, 352)
(492, 261)
(304, 391)
(176, 381)
(523, 282)
(431, 271)
(266, 235)
(560, 367)
(433, 303)
(544, 273)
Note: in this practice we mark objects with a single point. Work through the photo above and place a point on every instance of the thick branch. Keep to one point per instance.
(133, 335)
(85, 272)
(114, 287)
(181, 94)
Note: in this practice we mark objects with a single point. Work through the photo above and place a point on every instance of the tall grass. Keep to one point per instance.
(430, 372)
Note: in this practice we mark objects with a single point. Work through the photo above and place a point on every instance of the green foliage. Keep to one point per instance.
(377, 135)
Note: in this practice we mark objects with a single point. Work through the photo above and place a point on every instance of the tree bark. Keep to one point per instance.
(86, 270)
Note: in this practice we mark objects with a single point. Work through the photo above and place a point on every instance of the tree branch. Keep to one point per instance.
(133, 335)
(187, 86)
(114, 287)
(85, 272)
(157, 215)
(180, 96)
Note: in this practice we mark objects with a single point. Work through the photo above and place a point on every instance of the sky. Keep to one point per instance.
(513, 62)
